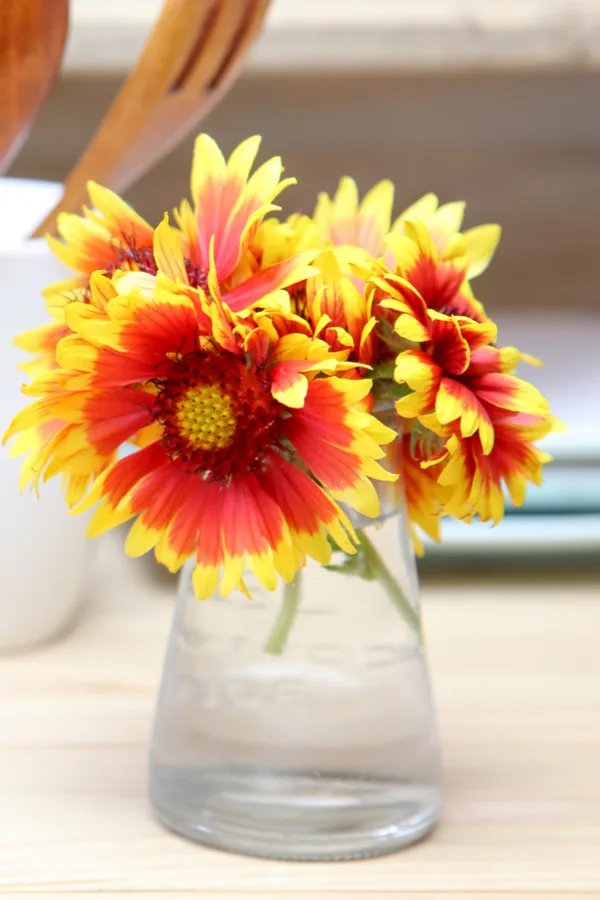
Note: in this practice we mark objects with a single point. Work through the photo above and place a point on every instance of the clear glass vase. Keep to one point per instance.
(300, 724)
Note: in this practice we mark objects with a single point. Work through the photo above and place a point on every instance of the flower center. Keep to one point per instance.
(206, 417)
(129, 256)
(218, 416)
(298, 298)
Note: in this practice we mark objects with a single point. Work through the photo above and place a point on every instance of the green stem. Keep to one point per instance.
(283, 624)
(381, 573)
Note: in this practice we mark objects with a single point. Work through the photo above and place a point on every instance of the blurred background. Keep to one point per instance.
(492, 101)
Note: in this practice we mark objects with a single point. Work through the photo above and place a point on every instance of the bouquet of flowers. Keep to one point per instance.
(237, 385)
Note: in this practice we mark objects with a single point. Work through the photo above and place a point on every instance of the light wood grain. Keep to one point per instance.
(517, 678)
(311, 895)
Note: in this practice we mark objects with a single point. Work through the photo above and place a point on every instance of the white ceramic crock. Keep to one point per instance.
(42, 548)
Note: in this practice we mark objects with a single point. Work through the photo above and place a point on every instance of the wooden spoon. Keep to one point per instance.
(187, 62)
(32, 39)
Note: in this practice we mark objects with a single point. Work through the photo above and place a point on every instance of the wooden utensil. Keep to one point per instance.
(187, 62)
(32, 40)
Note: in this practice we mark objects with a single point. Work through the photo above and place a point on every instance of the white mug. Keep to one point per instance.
(43, 550)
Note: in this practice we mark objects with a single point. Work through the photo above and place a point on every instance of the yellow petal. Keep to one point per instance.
(294, 394)
(404, 249)
(141, 539)
(415, 371)
(449, 217)
(233, 568)
(314, 545)
(419, 233)
(409, 328)
(287, 561)
(168, 252)
(424, 209)
(377, 203)
(410, 406)
(242, 159)
(205, 580)
(372, 468)
(354, 389)
(481, 246)
(117, 212)
(105, 517)
(262, 566)
(362, 497)
(208, 165)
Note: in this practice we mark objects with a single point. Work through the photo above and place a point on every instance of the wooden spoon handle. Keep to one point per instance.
(32, 38)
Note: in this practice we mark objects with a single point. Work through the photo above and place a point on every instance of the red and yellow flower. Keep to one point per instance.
(346, 221)
(349, 233)
(250, 438)
(228, 205)
(240, 357)
(339, 311)
(476, 480)
(450, 367)
(414, 264)
(418, 487)
(476, 246)
(112, 237)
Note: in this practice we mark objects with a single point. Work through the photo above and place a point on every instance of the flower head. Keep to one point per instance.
(476, 480)
(416, 265)
(418, 486)
(348, 222)
(247, 438)
(443, 223)
(228, 205)
(450, 366)
(250, 364)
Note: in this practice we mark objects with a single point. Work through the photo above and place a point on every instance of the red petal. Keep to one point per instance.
(304, 505)
(112, 417)
(252, 521)
(126, 473)
(264, 282)
(450, 349)
(437, 283)
(160, 329)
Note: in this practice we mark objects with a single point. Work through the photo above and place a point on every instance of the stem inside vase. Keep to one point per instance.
(378, 571)
(368, 564)
(283, 624)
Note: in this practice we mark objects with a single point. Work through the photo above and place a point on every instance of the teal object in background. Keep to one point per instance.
(565, 490)
(558, 525)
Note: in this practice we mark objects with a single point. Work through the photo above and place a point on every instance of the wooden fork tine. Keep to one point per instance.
(181, 109)
(221, 81)
(159, 65)
(192, 100)
(251, 27)
(227, 26)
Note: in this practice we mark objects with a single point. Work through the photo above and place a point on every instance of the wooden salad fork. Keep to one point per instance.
(189, 59)
(32, 40)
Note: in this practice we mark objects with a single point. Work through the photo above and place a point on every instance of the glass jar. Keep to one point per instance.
(299, 724)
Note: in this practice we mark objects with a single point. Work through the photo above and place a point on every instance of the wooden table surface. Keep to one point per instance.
(516, 668)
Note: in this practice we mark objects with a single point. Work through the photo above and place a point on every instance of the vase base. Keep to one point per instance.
(295, 817)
